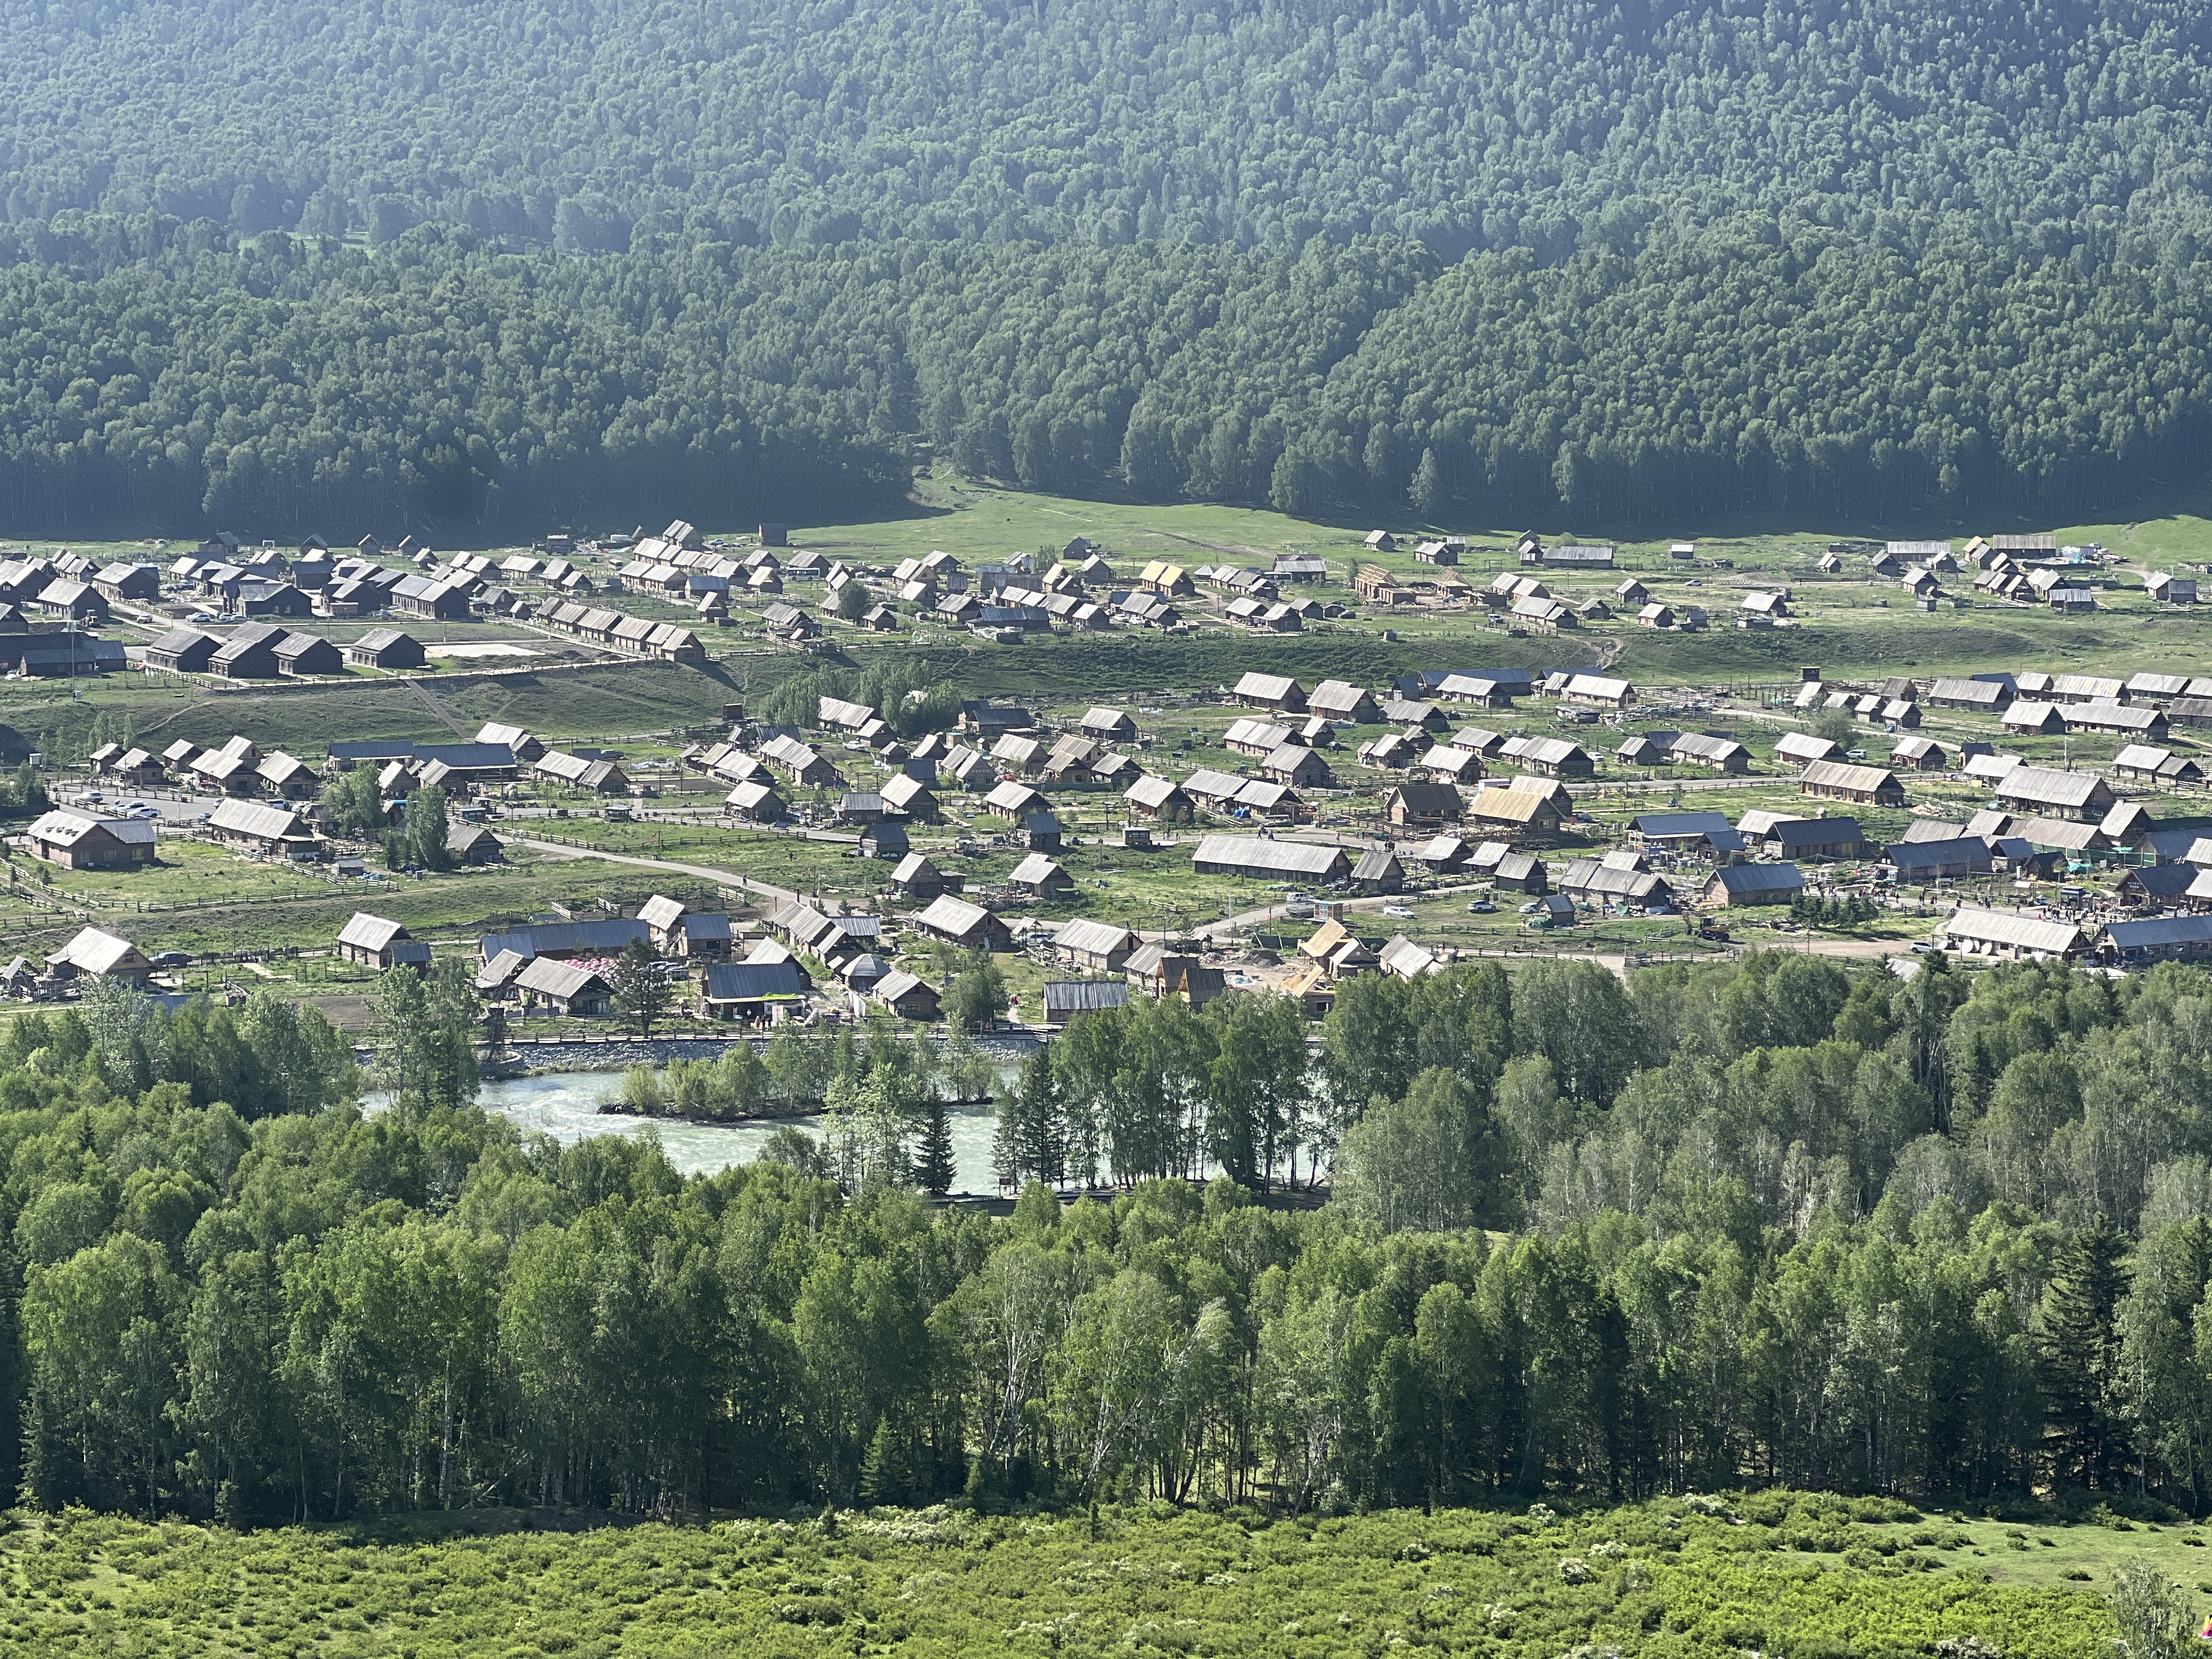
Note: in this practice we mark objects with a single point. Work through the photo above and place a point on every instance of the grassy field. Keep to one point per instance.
(1671, 1577)
(1848, 625)
(200, 898)
(1844, 623)
(611, 703)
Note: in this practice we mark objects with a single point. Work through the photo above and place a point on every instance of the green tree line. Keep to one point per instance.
(1776, 1221)
(155, 372)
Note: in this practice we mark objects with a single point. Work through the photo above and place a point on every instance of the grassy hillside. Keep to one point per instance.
(617, 699)
(1844, 623)
(1664, 1578)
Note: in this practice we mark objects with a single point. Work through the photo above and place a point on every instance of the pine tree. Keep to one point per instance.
(2085, 1435)
(933, 1166)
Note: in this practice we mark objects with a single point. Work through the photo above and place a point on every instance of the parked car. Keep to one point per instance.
(1399, 911)
(170, 959)
(1480, 907)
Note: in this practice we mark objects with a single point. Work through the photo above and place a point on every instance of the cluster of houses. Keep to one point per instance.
(2021, 568)
(267, 808)
(48, 604)
(47, 607)
(1009, 600)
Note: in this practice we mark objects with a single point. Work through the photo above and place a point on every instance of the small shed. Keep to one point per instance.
(1379, 871)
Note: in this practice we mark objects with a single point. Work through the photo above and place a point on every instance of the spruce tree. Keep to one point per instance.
(884, 1475)
(1042, 1135)
(2080, 1367)
(933, 1166)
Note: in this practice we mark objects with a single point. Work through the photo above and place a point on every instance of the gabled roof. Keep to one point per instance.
(1036, 869)
(1065, 997)
(1957, 849)
(954, 916)
(1376, 865)
(66, 826)
(2157, 932)
(1427, 797)
(2044, 786)
(1405, 958)
(556, 978)
(1095, 938)
(752, 982)
(94, 951)
(1271, 688)
(1510, 806)
(1289, 858)
(2020, 932)
(899, 984)
(369, 932)
(1789, 833)
(1701, 746)
(1153, 792)
(604, 938)
(1838, 775)
(661, 913)
(1739, 878)
(252, 819)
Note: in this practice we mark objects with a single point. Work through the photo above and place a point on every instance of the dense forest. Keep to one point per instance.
(479, 270)
(1772, 1221)
(163, 374)
(586, 123)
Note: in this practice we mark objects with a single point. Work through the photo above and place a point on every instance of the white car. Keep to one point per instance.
(1399, 911)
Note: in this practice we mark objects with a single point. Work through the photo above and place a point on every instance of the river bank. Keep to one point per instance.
(541, 1056)
(797, 1111)
(566, 1106)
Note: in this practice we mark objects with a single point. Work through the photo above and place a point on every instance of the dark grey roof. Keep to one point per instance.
(1816, 832)
(466, 756)
(750, 981)
(1680, 823)
(2155, 931)
(2165, 880)
(607, 937)
(374, 748)
(1760, 878)
(1966, 849)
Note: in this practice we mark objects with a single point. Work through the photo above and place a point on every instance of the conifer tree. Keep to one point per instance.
(933, 1165)
(2080, 1358)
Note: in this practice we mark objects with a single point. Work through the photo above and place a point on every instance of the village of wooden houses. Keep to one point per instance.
(814, 864)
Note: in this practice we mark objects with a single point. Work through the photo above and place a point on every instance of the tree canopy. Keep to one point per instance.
(172, 373)
(594, 125)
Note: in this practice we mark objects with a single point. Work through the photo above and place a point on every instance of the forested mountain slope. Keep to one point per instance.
(1630, 264)
(1460, 124)
(173, 375)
